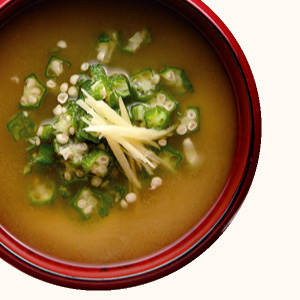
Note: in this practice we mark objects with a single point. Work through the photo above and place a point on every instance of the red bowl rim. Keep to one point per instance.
(188, 247)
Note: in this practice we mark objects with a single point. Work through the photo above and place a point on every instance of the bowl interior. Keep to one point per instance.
(206, 231)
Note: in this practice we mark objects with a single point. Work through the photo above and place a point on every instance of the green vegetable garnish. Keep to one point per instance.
(56, 66)
(110, 140)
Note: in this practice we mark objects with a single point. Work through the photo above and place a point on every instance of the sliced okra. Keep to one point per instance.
(190, 121)
(64, 192)
(82, 135)
(45, 155)
(144, 84)
(164, 99)
(193, 115)
(41, 192)
(96, 71)
(98, 89)
(86, 203)
(20, 126)
(98, 162)
(138, 112)
(175, 80)
(55, 66)
(33, 93)
(171, 156)
(70, 174)
(139, 39)
(120, 85)
(72, 152)
(66, 121)
(106, 47)
(46, 132)
(102, 89)
(157, 117)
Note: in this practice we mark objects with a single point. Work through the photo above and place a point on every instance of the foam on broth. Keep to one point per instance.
(163, 215)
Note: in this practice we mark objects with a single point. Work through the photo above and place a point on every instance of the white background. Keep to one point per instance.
(258, 255)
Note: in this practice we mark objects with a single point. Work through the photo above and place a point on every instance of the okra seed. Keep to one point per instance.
(130, 197)
(40, 131)
(101, 55)
(191, 114)
(171, 76)
(68, 175)
(51, 84)
(79, 173)
(185, 121)
(25, 113)
(83, 147)
(161, 98)
(162, 142)
(98, 170)
(61, 44)
(24, 100)
(37, 140)
(84, 67)
(62, 98)
(74, 78)
(155, 183)
(31, 141)
(64, 87)
(123, 204)
(181, 129)
(57, 66)
(57, 111)
(102, 169)
(85, 194)
(72, 91)
(62, 138)
(155, 79)
(32, 99)
(103, 160)
(169, 105)
(96, 181)
(72, 130)
(15, 79)
(94, 169)
(88, 209)
(30, 82)
(82, 203)
(192, 125)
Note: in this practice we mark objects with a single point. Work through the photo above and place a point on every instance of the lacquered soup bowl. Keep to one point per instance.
(207, 230)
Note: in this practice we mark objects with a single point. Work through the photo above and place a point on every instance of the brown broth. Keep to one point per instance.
(162, 216)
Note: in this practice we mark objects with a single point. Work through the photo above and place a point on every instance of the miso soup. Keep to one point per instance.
(118, 129)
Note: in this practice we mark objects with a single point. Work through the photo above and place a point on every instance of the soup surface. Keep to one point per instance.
(160, 216)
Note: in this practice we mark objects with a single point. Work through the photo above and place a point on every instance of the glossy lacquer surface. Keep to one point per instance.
(211, 227)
